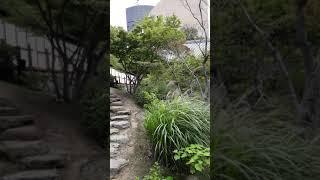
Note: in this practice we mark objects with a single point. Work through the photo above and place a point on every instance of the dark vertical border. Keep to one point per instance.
(212, 78)
(107, 27)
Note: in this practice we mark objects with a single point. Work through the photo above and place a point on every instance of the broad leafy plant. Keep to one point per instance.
(197, 157)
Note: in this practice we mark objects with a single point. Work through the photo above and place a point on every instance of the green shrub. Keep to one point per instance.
(155, 174)
(151, 84)
(95, 111)
(249, 145)
(176, 124)
(196, 156)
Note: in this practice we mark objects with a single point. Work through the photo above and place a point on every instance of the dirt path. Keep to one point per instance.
(137, 150)
(62, 131)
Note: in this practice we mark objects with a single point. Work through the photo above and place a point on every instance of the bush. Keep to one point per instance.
(151, 84)
(176, 124)
(95, 111)
(197, 157)
(155, 174)
(250, 145)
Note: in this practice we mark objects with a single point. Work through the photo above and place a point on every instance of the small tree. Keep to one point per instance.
(141, 50)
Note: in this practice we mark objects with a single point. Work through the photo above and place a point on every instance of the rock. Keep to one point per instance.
(120, 118)
(118, 103)
(113, 96)
(21, 133)
(51, 174)
(116, 108)
(44, 161)
(122, 139)
(114, 131)
(116, 165)
(14, 121)
(120, 124)
(115, 99)
(20, 149)
(8, 111)
(114, 148)
(123, 113)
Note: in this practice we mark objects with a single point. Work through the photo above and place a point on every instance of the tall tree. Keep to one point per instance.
(82, 23)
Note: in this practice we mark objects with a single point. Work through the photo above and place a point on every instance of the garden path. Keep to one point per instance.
(57, 126)
(129, 148)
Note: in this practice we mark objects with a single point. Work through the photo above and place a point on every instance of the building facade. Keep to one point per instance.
(135, 14)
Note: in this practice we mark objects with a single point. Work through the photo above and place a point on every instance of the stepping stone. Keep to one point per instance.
(44, 161)
(114, 148)
(118, 103)
(8, 111)
(116, 108)
(120, 124)
(121, 139)
(26, 133)
(123, 113)
(20, 149)
(113, 96)
(115, 99)
(51, 174)
(14, 121)
(120, 118)
(116, 165)
(114, 131)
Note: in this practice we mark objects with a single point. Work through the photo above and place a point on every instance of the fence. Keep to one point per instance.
(36, 50)
(122, 78)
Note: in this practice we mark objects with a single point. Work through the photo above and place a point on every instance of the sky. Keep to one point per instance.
(118, 10)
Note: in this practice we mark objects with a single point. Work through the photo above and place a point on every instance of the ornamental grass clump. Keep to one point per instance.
(175, 124)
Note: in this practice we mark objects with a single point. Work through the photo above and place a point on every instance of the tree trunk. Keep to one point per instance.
(66, 85)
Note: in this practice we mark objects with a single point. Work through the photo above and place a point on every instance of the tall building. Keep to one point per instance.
(135, 14)
(180, 8)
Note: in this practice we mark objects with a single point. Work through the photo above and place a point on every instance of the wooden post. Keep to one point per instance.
(29, 56)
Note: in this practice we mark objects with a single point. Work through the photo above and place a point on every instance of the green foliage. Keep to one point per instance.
(175, 124)
(152, 84)
(34, 80)
(139, 51)
(114, 63)
(197, 157)
(94, 110)
(249, 145)
(155, 174)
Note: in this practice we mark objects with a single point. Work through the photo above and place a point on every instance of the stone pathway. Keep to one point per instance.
(21, 144)
(119, 134)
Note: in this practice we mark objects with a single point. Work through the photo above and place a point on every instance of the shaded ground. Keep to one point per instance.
(62, 131)
(138, 152)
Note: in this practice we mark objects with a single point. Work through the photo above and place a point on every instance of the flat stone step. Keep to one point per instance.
(119, 138)
(8, 111)
(44, 161)
(116, 108)
(114, 148)
(120, 124)
(114, 131)
(115, 99)
(120, 118)
(113, 96)
(15, 121)
(26, 133)
(21, 149)
(50, 174)
(116, 165)
(123, 113)
(117, 103)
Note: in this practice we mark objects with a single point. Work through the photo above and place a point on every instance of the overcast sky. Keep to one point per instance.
(118, 10)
